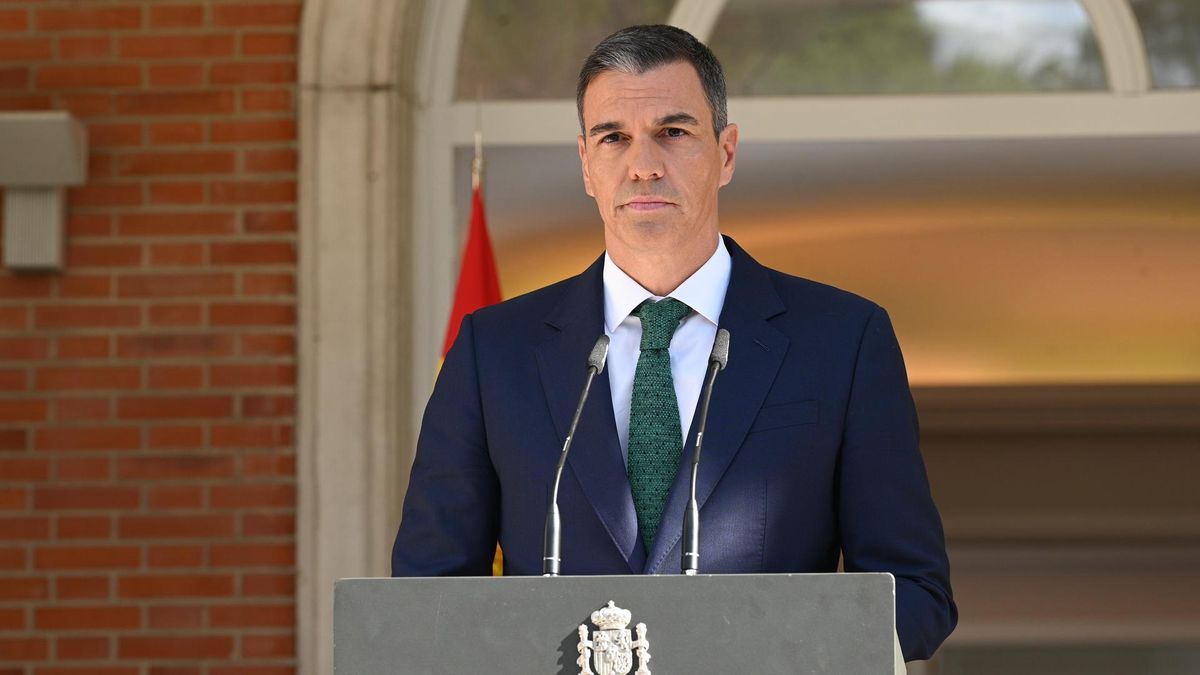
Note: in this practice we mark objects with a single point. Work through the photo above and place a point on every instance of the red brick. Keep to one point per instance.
(88, 18)
(83, 346)
(12, 618)
(272, 464)
(175, 586)
(269, 44)
(174, 345)
(26, 103)
(175, 285)
(89, 47)
(176, 377)
(256, 375)
(81, 286)
(13, 379)
(252, 555)
(253, 253)
(76, 409)
(90, 670)
(24, 528)
(174, 467)
(158, 407)
(169, 133)
(13, 439)
(176, 437)
(253, 192)
(81, 588)
(22, 410)
(268, 161)
(102, 195)
(268, 345)
(164, 75)
(257, 14)
(13, 499)
(175, 648)
(83, 469)
(88, 438)
(84, 527)
(182, 45)
(175, 103)
(92, 557)
(266, 100)
(13, 20)
(79, 377)
(269, 585)
(14, 78)
(176, 497)
(268, 646)
(176, 255)
(268, 406)
(89, 225)
(268, 525)
(176, 224)
(115, 135)
(25, 49)
(251, 131)
(87, 105)
(89, 76)
(262, 222)
(11, 559)
(24, 469)
(88, 617)
(14, 318)
(250, 670)
(24, 287)
(175, 163)
(18, 588)
(250, 436)
(252, 495)
(104, 255)
(252, 314)
(87, 316)
(174, 617)
(24, 649)
(24, 348)
(175, 527)
(177, 193)
(78, 497)
(175, 556)
(250, 616)
(177, 16)
(176, 315)
(82, 648)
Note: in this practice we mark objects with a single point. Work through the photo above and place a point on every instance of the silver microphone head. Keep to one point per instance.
(720, 350)
(599, 354)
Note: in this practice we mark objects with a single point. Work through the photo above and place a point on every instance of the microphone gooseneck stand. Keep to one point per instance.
(717, 361)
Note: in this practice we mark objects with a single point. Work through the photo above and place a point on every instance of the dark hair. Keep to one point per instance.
(637, 49)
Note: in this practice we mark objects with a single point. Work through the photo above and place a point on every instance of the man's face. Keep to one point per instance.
(651, 161)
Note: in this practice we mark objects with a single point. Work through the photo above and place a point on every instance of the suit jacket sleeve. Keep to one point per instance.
(887, 518)
(451, 511)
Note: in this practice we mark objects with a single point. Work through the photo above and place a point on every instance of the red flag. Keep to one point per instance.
(478, 283)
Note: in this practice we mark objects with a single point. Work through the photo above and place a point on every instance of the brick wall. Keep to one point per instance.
(147, 490)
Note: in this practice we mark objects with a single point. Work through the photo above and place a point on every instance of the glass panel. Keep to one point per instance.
(519, 49)
(1171, 30)
(776, 47)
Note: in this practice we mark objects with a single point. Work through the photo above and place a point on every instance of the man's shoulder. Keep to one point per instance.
(527, 309)
(814, 297)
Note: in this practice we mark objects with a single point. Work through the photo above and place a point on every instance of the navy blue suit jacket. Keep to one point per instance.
(810, 451)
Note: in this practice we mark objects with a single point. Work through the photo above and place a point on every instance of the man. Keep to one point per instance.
(811, 447)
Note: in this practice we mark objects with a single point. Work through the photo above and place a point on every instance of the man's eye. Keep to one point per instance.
(675, 132)
(611, 138)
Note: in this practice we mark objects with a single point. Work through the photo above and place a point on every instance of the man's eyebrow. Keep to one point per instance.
(604, 128)
(678, 118)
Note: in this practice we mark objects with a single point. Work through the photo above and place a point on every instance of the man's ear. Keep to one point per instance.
(727, 142)
(587, 178)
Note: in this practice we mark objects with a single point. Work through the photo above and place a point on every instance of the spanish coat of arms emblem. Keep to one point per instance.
(611, 648)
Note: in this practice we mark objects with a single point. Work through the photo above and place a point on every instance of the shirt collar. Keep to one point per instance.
(704, 291)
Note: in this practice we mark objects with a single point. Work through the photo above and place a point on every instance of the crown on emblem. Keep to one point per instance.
(611, 617)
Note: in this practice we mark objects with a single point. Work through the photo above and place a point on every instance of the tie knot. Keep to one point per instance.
(659, 321)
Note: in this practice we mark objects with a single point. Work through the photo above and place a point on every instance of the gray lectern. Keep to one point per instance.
(665, 625)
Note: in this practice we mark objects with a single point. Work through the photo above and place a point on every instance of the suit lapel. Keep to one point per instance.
(595, 459)
(756, 351)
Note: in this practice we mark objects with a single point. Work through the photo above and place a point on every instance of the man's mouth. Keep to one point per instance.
(647, 204)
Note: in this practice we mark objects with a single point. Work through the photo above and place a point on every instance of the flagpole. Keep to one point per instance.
(477, 163)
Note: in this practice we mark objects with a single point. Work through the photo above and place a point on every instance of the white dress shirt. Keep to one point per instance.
(691, 344)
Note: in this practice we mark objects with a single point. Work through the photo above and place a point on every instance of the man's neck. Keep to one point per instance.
(662, 272)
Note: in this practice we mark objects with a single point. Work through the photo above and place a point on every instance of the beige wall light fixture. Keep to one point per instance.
(41, 153)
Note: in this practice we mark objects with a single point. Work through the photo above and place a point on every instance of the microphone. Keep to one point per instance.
(552, 541)
(691, 519)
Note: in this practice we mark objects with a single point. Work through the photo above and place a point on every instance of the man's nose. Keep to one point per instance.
(645, 160)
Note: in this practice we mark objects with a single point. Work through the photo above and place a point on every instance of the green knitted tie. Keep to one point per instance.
(655, 438)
